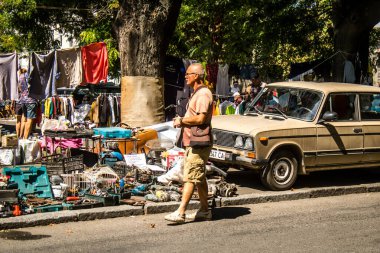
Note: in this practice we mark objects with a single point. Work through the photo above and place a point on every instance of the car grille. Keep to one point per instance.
(224, 138)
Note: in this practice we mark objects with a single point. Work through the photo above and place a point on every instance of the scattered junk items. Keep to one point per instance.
(123, 171)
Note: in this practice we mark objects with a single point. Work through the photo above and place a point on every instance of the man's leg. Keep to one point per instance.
(187, 192)
(203, 194)
(22, 127)
(18, 125)
(31, 110)
(28, 128)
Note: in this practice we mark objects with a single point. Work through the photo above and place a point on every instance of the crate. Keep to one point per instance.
(73, 164)
(57, 165)
(54, 164)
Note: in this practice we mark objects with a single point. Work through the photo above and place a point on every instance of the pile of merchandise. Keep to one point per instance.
(73, 181)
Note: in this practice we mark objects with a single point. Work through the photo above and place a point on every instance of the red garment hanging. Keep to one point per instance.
(212, 73)
(95, 63)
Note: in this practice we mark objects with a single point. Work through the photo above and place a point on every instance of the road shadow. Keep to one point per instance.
(230, 212)
(220, 213)
(248, 181)
(20, 235)
(347, 177)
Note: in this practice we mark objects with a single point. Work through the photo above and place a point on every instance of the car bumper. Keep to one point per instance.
(240, 160)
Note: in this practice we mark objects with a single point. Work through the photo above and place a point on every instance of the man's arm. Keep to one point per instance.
(198, 119)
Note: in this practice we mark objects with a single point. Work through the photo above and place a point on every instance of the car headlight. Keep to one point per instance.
(248, 144)
(239, 142)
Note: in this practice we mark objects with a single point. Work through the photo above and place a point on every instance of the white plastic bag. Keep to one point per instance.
(31, 150)
(54, 124)
(7, 156)
(174, 174)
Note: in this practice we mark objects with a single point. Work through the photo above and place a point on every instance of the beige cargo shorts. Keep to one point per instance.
(195, 164)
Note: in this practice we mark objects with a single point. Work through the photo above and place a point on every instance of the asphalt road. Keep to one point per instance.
(349, 223)
(249, 182)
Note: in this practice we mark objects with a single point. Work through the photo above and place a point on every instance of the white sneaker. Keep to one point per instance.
(175, 217)
(200, 215)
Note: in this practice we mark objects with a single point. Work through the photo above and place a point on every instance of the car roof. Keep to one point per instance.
(328, 87)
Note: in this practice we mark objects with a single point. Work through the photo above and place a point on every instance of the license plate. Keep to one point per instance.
(216, 154)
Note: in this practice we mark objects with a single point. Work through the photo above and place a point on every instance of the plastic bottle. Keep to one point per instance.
(122, 184)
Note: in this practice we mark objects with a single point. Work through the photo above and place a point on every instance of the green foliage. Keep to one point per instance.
(28, 25)
(271, 34)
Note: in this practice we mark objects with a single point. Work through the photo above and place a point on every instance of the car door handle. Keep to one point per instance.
(358, 130)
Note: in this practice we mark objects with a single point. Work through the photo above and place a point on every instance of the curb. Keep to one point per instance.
(44, 219)
(299, 194)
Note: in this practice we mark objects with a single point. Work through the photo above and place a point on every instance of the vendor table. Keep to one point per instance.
(58, 135)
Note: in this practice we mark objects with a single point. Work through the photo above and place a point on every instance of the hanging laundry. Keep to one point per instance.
(215, 111)
(224, 106)
(230, 109)
(222, 83)
(8, 77)
(43, 74)
(349, 72)
(212, 74)
(69, 68)
(95, 63)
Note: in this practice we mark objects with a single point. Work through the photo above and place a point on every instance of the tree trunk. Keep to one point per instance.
(143, 29)
(353, 21)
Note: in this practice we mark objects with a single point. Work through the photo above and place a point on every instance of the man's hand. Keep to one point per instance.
(177, 122)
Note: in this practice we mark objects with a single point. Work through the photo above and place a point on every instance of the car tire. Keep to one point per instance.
(281, 172)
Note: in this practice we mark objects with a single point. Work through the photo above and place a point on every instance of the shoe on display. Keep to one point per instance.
(175, 217)
(200, 215)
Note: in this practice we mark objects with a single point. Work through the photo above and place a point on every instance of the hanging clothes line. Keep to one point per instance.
(319, 64)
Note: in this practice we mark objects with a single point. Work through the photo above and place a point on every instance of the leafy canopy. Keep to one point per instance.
(271, 34)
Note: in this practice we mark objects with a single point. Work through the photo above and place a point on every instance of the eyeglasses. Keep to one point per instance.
(187, 74)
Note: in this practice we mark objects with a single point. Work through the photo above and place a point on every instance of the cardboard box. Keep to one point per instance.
(9, 140)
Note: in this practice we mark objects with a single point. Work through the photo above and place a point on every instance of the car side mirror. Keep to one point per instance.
(328, 116)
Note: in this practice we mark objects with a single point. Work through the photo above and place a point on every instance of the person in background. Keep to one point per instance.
(235, 87)
(18, 107)
(237, 101)
(256, 85)
(29, 106)
(199, 112)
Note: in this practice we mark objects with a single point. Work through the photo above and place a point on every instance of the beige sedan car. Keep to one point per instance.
(293, 128)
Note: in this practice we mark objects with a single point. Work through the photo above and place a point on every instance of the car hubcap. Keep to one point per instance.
(283, 171)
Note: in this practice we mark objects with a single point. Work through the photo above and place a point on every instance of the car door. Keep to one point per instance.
(370, 117)
(340, 142)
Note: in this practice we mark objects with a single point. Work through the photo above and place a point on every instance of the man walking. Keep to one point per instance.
(199, 112)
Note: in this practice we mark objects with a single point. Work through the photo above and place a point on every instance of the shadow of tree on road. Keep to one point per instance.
(249, 182)
(20, 235)
(230, 212)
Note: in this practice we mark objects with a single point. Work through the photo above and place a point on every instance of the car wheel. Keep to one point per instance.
(281, 172)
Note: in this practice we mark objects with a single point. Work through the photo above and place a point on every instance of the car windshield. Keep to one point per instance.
(288, 102)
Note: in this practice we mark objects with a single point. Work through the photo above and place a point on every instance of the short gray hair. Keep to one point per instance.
(200, 70)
